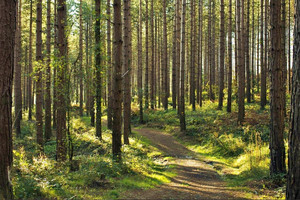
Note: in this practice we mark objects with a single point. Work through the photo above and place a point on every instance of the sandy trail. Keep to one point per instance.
(195, 179)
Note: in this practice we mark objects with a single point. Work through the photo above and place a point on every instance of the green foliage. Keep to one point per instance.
(39, 176)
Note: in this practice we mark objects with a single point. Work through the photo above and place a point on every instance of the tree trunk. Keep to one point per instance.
(192, 57)
(174, 67)
(18, 72)
(39, 76)
(283, 53)
(7, 38)
(178, 33)
(146, 87)
(263, 94)
(229, 58)
(127, 70)
(165, 57)
(293, 179)
(61, 148)
(200, 54)
(98, 68)
(241, 62)
(222, 56)
(140, 66)
(30, 66)
(81, 74)
(55, 68)
(253, 53)
(247, 52)
(277, 150)
(48, 131)
(117, 81)
(212, 52)
(152, 82)
(182, 69)
(108, 36)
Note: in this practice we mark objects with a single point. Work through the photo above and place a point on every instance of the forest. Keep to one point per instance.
(149, 99)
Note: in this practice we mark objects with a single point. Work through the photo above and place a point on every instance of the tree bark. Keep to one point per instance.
(30, 66)
(152, 82)
(229, 58)
(165, 57)
(48, 131)
(61, 148)
(241, 62)
(18, 72)
(109, 70)
(98, 68)
(222, 56)
(140, 66)
(192, 56)
(7, 39)
(39, 76)
(117, 81)
(263, 94)
(81, 74)
(277, 150)
(182, 69)
(293, 179)
(200, 53)
(127, 70)
(146, 87)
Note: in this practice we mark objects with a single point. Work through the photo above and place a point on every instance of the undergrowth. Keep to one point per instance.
(39, 176)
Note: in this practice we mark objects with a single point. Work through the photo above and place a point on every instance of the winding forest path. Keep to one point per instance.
(195, 179)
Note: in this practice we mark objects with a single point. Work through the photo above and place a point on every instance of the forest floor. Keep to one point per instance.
(195, 178)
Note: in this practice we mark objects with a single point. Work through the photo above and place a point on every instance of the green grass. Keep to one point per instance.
(39, 176)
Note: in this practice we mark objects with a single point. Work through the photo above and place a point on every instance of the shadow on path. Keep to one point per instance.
(195, 179)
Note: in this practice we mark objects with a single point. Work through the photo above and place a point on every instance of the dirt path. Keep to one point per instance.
(195, 179)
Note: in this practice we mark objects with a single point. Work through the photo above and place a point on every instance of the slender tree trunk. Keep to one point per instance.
(212, 53)
(48, 131)
(178, 33)
(18, 72)
(174, 89)
(241, 60)
(81, 74)
(289, 50)
(222, 56)
(39, 76)
(127, 70)
(140, 67)
(30, 66)
(152, 82)
(146, 87)
(55, 67)
(192, 57)
(61, 130)
(247, 52)
(165, 55)
(293, 179)
(253, 53)
(108, 37)
(258, 58)
(7, 38)
(229, 58)
(117, 81)
(263, 65)
(182, 69)
(200, 54)
(98, 68)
